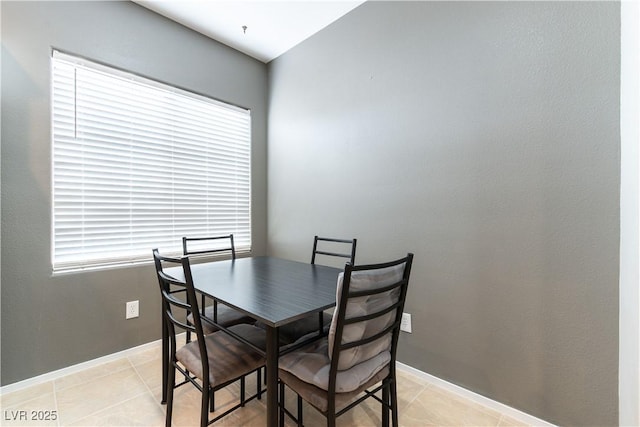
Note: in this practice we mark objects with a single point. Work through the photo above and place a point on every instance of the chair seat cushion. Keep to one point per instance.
(311, 364)
(228, 358)
(227, 316)
(319, 398)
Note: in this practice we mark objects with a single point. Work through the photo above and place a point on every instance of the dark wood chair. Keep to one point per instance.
(219, 313)
(358, 357)
(324, 249)
(212, 361)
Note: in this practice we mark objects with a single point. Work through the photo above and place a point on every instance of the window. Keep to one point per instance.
(138, 164)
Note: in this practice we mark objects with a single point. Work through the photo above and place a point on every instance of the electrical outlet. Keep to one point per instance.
(133, 309)
(405, 324)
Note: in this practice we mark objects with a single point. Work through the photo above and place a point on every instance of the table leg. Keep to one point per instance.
(272, 376)
(165, 360)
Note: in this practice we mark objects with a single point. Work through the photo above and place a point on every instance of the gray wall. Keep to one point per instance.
(484, 137)
(53, 322)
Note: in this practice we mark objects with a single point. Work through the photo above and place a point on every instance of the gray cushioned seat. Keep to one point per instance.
(319, 397)
(312, 363)
(228, 358)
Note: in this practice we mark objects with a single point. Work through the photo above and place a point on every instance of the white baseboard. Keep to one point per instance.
(475, 397)
(50, 376)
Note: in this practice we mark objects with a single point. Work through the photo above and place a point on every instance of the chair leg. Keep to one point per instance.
(166, 352)
(394, 403)
(204, 406)
(259, 383)
(212, 401)
(300, 411)
(188, 340)
(385, 403)
(171, 382)
(242, 392)
(331, 419)
(281, 404)
(331, 409)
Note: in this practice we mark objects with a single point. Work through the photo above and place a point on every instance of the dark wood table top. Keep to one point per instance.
(273, 290)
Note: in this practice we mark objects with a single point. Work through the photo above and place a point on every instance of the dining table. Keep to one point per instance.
(271, 290)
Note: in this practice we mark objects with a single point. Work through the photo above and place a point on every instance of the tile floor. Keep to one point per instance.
(126, 392)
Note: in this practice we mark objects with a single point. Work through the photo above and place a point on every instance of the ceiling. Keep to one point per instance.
(272, 27)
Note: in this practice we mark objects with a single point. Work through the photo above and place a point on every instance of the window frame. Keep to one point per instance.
(174, 249)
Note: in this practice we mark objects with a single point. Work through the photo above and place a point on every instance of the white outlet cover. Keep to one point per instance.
(132, 310)
(405, 324)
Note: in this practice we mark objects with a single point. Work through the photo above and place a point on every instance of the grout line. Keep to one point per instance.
(94, 377)
(55, 402)
(143, 392)
(104, 409)
(423, 384)
(146, 391)
(26, 401)
(50, 376)
(426, 381)
(162, 407)
(479, 399)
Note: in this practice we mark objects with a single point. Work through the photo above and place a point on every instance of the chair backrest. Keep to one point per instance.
(321, 246)
(366, 321)
(209, 245)
(175, 310)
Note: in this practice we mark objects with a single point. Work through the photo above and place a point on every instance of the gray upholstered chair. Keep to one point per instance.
(357, 358)
(212, 361)
(217, 312)
(325, 249)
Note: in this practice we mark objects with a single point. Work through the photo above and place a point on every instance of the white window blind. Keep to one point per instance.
(138, 164)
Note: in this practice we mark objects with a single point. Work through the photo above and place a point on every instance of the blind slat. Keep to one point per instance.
(138, 165)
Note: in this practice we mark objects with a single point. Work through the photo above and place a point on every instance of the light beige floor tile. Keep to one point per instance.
(187, 404)
(156, 392)
(506, 421)
(127, 392)
(186, 407)
(471, 404)
(30, 393)
(147, 355)
(409, 387)
(142, 410)
(251, 380)
(366, 414)
(82, 400)
(40, 411)
(151, 373)
(187, 401)
(438, 407)
(92, 373)
(253, 414)
(310, 415)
